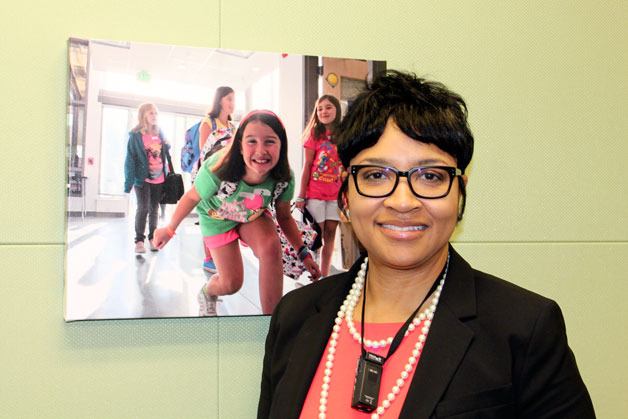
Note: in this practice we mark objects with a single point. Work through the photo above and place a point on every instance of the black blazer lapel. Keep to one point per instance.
(446, 344)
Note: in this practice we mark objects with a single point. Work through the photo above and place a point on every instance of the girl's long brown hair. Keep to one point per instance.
(315, 127)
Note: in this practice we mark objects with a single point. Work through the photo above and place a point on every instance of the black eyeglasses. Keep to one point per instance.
(428, 182)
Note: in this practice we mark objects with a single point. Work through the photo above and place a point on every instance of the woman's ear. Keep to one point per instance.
(462, 198)
(345, 214)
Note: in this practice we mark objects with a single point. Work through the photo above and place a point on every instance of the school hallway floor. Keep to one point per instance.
(106, 279)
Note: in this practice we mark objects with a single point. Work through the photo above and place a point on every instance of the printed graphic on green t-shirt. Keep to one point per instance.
(220, 211)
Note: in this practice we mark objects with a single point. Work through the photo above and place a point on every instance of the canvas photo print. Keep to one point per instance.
(185, 175)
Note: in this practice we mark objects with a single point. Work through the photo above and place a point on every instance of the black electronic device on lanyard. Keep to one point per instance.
(367, 382)
(370, 366)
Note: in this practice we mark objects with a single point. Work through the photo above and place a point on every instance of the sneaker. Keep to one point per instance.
(206, 303)
(139, 247)
(152, 247)
(210, 266)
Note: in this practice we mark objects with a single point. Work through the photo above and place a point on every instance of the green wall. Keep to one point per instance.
(548, 194)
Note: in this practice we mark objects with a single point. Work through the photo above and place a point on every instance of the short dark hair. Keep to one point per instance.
(426, 111)
(233, 168)
(221, 92)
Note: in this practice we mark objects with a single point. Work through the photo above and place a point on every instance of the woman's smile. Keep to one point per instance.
(401, 230)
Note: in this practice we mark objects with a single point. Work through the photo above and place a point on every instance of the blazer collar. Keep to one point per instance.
(447, 341)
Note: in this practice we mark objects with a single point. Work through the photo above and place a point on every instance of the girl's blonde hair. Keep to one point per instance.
(142, 126)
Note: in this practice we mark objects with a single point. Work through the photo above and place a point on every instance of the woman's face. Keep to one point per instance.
(227, 103)
(150, 117)
(326, 112)
(260, 150)
(401, 230)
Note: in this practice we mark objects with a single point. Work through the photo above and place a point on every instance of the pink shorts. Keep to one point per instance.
(219, 240)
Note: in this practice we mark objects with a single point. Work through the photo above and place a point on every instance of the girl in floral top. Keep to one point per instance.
(215, 132)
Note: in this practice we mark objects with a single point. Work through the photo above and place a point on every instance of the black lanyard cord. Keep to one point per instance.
(401, 332)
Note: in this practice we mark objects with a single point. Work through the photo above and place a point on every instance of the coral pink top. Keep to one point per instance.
(343, 372)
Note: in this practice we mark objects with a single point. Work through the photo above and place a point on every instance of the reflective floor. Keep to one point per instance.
(105, 279)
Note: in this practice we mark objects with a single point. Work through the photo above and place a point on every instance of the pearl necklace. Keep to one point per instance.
(346, 313)
(382, 343)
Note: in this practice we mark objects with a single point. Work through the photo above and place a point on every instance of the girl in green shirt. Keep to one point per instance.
(232, 193)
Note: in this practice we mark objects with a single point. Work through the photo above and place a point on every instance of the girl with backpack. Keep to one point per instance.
(322, 170)
(217, 129)
(214, 133)
(232, 193)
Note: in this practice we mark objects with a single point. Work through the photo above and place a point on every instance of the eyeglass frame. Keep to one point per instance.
(453, 173)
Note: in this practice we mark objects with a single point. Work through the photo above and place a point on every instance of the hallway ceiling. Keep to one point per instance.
(193, 65)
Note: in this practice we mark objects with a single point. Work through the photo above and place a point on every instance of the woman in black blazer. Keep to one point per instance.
(431, 336)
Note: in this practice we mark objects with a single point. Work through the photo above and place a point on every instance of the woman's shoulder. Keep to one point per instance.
(491, 286)
(473, 292)
(314, 295)
(488, 286)
(516, 308)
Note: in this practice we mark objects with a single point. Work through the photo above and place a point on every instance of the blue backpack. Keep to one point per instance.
(190, 151)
